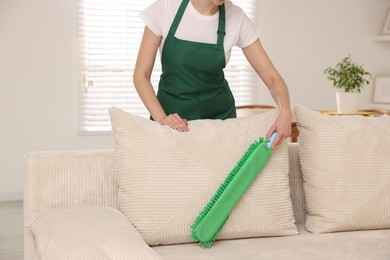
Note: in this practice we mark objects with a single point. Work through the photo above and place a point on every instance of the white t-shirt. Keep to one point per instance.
(194, 26)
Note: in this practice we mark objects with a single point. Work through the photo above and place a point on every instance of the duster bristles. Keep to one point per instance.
(219, 192)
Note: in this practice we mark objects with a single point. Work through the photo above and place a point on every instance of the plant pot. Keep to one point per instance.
(347, 102)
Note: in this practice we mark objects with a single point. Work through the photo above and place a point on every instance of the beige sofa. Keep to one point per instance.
(87, 178)
(129, 205)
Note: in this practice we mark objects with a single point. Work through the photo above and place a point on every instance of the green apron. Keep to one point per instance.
(192, 82)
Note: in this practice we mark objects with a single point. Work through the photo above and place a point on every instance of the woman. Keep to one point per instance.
(195, 38)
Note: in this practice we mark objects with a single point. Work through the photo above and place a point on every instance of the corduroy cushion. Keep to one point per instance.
(88, 232)
(166, 177)
(346, 170)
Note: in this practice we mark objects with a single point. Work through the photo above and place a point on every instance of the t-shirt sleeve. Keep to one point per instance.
(152, 17)
(248, 32)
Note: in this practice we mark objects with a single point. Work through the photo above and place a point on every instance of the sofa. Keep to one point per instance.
(77, 205)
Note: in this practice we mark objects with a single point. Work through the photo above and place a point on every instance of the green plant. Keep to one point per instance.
(348, 76)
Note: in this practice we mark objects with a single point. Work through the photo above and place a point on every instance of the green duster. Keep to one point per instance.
(211, 220)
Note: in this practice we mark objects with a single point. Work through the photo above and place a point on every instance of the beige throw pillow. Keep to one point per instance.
(346, 169)
(166, 177)
(88, 232)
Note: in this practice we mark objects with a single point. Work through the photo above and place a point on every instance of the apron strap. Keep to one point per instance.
(178, 16)
(221, 25)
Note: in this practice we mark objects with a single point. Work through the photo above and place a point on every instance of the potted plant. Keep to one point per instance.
(349, 78)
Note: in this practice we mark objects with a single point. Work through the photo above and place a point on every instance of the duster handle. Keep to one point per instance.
(272, 139)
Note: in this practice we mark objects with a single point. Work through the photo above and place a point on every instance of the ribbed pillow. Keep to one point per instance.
(346, 169)
(88, 232)
(166, 177)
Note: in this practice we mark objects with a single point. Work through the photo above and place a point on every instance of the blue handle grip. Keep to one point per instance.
(272, 139)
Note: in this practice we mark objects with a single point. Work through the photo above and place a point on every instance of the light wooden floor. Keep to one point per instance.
(11, 230)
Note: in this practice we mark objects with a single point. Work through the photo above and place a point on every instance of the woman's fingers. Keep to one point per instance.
(282, 126)
(174, 121)
(178, 123)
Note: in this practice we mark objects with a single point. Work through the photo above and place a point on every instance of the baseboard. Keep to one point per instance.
(11, 196)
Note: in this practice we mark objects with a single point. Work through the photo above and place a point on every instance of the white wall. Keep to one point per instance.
(38, 82)
(303, 37)
(38, 67)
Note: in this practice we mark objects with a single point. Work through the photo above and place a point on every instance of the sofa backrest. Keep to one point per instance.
(296, 184)
(56, 179)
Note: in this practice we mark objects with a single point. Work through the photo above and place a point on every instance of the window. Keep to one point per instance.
(110, 33)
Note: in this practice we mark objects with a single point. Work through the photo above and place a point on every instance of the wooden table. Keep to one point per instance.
(366, 112)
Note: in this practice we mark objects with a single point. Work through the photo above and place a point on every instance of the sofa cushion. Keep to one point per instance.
(166, 177)
(353, 245)
(87, 232)
(346, 169)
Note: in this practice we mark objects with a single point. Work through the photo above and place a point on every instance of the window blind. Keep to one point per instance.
(110, 33)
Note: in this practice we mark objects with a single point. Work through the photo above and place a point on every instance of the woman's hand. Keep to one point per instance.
(174, 121)
(282, 126)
